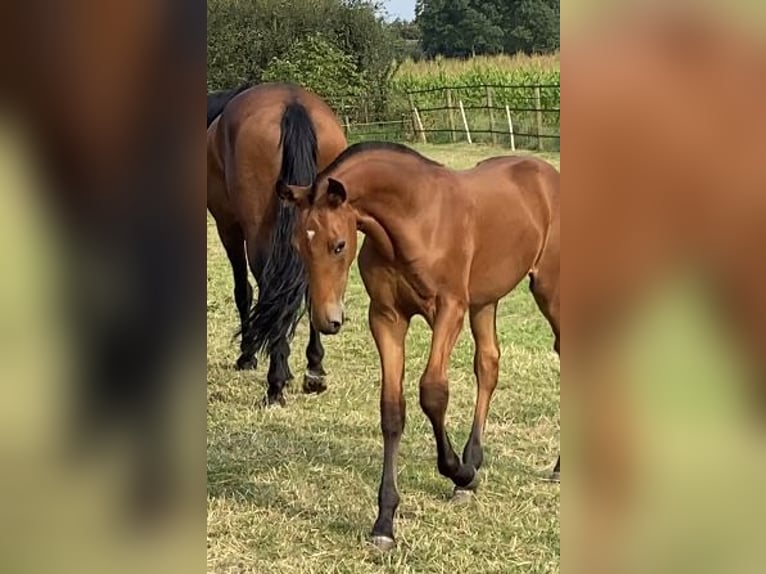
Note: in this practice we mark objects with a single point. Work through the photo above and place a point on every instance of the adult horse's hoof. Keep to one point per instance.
(383, 543)
(461, 496)
(314, 382)
(273, 401)
(465, 494)
(245, 363)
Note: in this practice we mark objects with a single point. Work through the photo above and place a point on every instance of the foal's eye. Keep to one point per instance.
(339, 247)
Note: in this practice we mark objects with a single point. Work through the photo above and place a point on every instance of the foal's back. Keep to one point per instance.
(516, 205)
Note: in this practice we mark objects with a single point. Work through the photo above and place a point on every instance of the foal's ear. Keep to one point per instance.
(336, 192)
(293, 193)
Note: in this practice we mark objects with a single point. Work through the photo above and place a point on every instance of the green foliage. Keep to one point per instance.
(408, 39)
(470, 27)
(245, 37)
(319, 65)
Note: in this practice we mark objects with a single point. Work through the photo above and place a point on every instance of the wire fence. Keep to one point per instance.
(514, 116)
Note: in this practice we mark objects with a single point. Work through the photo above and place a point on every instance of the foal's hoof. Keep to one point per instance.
(383, 543)
(245, 363)
(314, 382)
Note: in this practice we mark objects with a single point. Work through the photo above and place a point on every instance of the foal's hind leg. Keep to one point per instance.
(544, 285)
(486, 366)
(234, 243)
(434, 393)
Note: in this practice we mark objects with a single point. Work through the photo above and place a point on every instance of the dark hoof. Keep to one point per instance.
(554, 476)
(314, 382)
(246, 363)
(273, 401)
(464, 494)
(473, 485)
(383, 543)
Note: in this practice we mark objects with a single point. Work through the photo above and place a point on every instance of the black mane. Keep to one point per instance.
(362, 147)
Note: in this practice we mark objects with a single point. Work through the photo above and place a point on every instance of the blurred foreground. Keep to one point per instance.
(665, 214)
(102, 293)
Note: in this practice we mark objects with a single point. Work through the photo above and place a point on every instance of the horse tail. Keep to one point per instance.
(217, 101)
(282, 287)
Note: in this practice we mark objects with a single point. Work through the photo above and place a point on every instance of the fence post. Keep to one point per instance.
(539, 113)
(413, 115)
(510, 128)
(343, 115)
(366, 113)
(465, 123)
(420, 126)
(453, 131)
(491, 116)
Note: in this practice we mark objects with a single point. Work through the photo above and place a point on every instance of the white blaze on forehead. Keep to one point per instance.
(310, 234)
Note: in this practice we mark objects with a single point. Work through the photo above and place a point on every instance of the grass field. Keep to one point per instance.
(295, 489)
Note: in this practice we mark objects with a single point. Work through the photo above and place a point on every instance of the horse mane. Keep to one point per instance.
(283, 284)
(363, 147)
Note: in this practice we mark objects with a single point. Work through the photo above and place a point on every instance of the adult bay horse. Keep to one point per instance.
(265, 134)
(439, 243)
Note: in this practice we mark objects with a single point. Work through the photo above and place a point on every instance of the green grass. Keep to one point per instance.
(295, 489)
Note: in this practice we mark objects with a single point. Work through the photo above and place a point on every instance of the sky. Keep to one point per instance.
(404, 9)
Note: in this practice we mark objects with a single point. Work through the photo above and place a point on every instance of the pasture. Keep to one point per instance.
(294, 490)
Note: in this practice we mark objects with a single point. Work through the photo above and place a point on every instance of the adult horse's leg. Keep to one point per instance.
(314, 378)
(279, 374)
(233, 240)
(279, 369)
(234, 243)
(389, 329)
(485, 365)
(434, 393)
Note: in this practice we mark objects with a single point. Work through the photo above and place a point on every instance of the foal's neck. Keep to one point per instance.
(390, 198)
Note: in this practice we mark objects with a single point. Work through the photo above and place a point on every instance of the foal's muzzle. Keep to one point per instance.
(329, 319)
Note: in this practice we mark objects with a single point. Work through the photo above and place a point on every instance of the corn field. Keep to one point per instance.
(484, 85)
(481, 70)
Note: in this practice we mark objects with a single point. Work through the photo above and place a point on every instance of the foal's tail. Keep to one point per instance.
(217, 101)
(283, 283)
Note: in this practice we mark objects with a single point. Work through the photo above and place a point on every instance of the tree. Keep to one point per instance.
(245, 36)
(533, 26)
(408, 39)
(319, 65)
(469, 27)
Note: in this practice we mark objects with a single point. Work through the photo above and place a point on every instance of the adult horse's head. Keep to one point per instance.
(326, 239)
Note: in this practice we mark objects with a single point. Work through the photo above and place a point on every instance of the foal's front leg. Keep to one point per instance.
(389, 329)
(434, 393)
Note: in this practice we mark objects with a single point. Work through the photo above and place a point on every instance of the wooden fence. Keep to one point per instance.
(515, 116)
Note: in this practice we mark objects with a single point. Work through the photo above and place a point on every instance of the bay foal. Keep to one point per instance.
(439, 243)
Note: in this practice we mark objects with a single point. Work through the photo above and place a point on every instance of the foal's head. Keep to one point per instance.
(326, 240)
